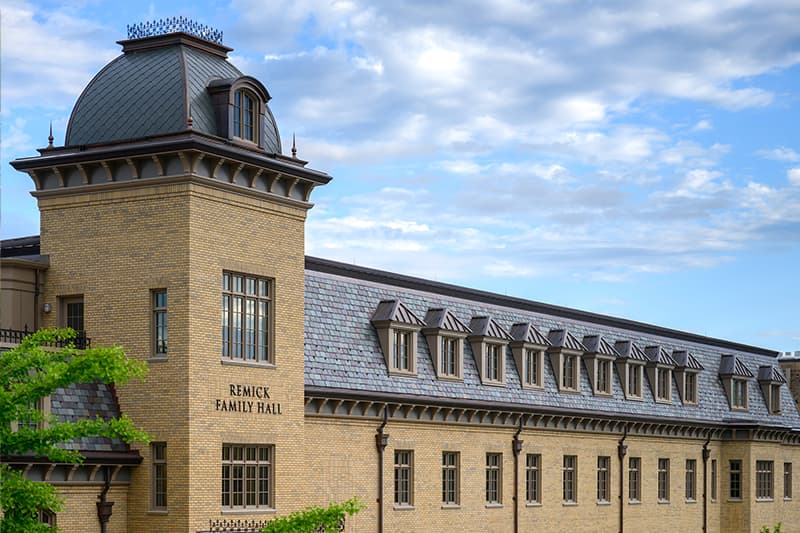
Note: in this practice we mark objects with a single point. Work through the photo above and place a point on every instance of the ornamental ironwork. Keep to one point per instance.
(249, 526)
(174, 25)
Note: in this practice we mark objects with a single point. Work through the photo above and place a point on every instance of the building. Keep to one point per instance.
(172, 223)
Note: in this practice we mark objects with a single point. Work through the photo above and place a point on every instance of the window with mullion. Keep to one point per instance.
(493, 362)
(245, 318)
(449, 355)
(569, 371)
(690, 387)
(787, 481)
(634, 479)
(532, 367)
(764, 480)
(450, 478)
(713, 480)
(494, 465)
(735, 481)
(245, 112)
(246, 476)
(663, 480)
(635, 380)
(603, 479)
(159, 476)
(739, 394)
(691, 479)
(603, 376)
(533, 477)
(403, 480)
(570, 478)
(159, 303)
(663, 390)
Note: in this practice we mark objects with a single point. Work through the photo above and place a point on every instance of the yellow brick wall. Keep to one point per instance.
(80, 512)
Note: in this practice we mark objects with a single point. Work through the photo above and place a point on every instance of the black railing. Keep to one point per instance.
(247, 526)
(15, 336)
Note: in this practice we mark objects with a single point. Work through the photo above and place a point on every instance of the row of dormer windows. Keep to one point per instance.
(445, 335)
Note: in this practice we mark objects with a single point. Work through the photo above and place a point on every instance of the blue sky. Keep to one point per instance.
(636, 159)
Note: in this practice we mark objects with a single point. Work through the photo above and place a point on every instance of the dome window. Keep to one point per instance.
(245, 116)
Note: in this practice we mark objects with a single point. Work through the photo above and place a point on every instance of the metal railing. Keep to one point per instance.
(15, 336)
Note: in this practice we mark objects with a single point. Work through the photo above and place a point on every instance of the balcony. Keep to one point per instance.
(15, 336)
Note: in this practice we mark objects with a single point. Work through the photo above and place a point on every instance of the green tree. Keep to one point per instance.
(29, 372)
(315, 519)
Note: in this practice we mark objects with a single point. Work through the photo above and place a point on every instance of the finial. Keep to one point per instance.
(50, 137)
(294, 147)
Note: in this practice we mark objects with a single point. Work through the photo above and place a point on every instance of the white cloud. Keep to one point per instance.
(702, 125)
(780, 154)
(793, 174)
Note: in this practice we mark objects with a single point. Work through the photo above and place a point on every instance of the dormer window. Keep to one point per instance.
(659, 369)
(565, 352)
(488, 342)
(770, 380)
(528, 348)
(630, 366)
(445, 335)
(687, 370)
(598, 356)
(245, 115)
(735, 377)
(397, 328)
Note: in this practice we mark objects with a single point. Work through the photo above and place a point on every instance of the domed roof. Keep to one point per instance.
(153, 89)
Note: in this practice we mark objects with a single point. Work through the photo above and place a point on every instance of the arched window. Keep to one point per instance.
(245, 116)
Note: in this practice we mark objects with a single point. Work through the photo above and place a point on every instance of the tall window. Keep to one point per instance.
(493, 354)
(635, 380)
(494, 478)
(764, 480)
(532, 371)
(245, 114)
(690, 387)
(735, 485)
(450, 463)
(533, 478)
(570, 479)
(247, 476)
(739, 394)
(787, 481)
(663, 480)
(73, 313)
(775, 398)
(635, 479)
(713, 480)
(604, 376)
(449, 366)
(159, 322)
(158, 500)
(401, 350)
(603, 479)
(691, 479)
(663, 391)
(246, 302)
(569, 371)
(403, 477)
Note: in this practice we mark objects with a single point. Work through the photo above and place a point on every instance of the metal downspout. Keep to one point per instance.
(381, 440)
(36, 300)
(516, 447)
(622, 451)
(706, 455)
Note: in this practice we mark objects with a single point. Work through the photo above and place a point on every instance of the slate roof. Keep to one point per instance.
(445, 320)
(527, 332)
(395, 311)
(342, 352)
(87, 400)
(149, 92)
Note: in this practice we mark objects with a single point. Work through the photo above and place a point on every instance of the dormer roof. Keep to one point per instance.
(395, 311)
(527, 333)
(597, 345)
(443, 319)
(563, 339)
(485, 326)
(730, 365)
(630, 351)
(685, 360)
(658, 355)
(770, 374)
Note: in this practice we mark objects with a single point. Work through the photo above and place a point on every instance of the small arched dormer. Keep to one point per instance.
(242, 113)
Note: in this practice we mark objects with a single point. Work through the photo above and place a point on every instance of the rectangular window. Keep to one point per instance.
(403, 477)
(713, 480)
(247, 476)
(635, 380)
(450, 464)
(603, 479)
(690, 387)
(494, 478)
(604, 376)
(533, 477)
(787, 481)
(663, 389)
(246, 312)
(159, 322)
(775, 399)
(735, 485)
(635, 479)
(764, 480)
(73, 313)
(532, 371)
(401, 350)
(493, 353)
(691, 480)
(739, 394)
(663, 480)
(158, 500)
(569, 371)
(449, 366)
(570, 479)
